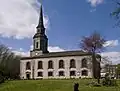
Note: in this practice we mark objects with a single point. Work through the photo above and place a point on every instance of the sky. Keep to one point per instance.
(66, 22)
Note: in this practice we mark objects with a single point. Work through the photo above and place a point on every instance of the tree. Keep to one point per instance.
(94, 44)
(9, 63)
(118, 71)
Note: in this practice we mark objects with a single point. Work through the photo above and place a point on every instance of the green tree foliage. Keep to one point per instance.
(93, 44)
(9, 64)
(118, 71)
(107, 81)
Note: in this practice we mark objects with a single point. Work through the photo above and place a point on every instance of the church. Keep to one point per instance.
(42, 64)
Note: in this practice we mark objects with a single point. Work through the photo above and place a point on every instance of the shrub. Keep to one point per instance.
(94, 83)
(1, 79)
(107, 81)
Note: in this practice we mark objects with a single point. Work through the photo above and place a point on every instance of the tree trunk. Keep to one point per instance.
(96, 68)
(98, 80)
(93, 65)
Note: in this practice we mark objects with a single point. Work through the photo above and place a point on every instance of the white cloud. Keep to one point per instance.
(31, 47)
(10, 48)
(111, 43)
(94, 3)
(114, 57)
(19, 18)
(22, 52)
(51, 48)
(55, 49)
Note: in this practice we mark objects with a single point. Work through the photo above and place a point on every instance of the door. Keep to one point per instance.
(27, 75)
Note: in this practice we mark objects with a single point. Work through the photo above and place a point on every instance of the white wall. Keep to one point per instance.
(56, 67)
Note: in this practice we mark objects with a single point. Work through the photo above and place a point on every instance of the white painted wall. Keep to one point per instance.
(56, 67)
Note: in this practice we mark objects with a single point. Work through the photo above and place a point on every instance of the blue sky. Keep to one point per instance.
(66, 22)
(69, 21)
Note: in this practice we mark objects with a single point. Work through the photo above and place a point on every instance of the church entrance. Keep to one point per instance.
(28, 75)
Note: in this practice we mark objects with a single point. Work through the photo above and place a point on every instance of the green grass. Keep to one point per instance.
(52, 85)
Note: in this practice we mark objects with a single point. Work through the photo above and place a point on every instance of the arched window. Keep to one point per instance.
(40, 65)
(28, 66)
(61, 64)
(84, 73)
(50, 64)
(84, 63)
(61, 73)
(72, 63)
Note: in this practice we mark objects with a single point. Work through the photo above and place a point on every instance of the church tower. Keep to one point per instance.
(40, 40)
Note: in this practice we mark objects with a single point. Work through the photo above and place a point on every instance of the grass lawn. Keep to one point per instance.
(52, 85)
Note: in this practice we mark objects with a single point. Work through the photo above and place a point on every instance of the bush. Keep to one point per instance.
(107, 81)
(94, 83)
(1, 79)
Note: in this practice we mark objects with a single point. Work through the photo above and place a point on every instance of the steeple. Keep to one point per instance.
(40, 27)
(40, 40)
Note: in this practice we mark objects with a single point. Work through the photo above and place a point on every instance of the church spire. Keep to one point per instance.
(40, 23)
(40, 40)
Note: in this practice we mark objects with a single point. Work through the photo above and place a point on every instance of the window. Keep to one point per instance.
(36, 44)
(40, 74)
(50, 64)
(28, 66)
(72, 73)
(61, 73)
(40, 65)
(84, 63)
(61, 64)
(50, 73)
(72, 63)
(84, 73)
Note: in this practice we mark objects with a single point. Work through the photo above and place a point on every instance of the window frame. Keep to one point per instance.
(61, 73)
(84, 72)
(61, 64)
(40, 74)
(28, 65)
(50, 64)
(72, 63)
(84, 63)
(40, 65)
(49, 75)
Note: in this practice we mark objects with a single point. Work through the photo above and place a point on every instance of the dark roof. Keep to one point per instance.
(59, 54)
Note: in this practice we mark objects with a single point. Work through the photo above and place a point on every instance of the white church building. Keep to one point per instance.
(42, 64)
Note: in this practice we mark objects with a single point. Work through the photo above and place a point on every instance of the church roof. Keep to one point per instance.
(59, 54)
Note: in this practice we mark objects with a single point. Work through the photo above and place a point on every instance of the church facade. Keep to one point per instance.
(42, 64)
